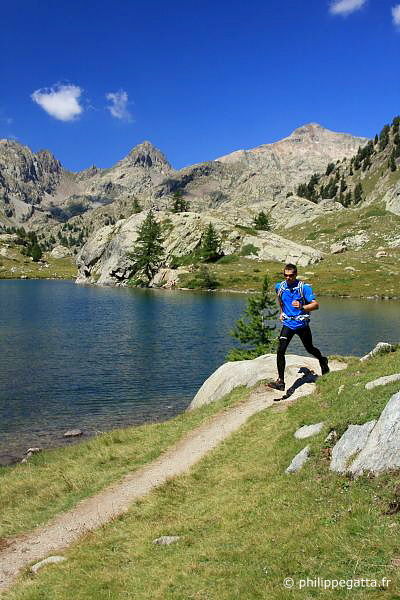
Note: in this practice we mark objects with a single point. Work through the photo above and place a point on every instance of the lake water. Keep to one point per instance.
(99, 358)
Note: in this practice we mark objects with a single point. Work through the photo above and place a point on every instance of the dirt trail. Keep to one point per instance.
(93, 512)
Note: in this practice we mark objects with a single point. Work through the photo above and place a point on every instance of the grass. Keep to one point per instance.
(15, 265)
(54, 480)
(245, 524)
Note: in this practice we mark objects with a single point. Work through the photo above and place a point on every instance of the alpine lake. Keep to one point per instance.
(98, 358)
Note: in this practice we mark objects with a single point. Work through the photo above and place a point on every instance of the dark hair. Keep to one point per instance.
(290, 267)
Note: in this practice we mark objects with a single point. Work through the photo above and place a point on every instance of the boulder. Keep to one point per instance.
(308, 430)
(382, 448)
(73, 433)
(61, 252)
(50, 560)
(166, 540)
(299, 460)
(249, 372)
(338, 247)
(382, 381)
(351, 442)
(380, 348)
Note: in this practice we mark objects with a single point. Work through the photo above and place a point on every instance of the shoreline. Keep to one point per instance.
(216, 290)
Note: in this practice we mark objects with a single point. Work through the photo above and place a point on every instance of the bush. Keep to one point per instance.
(249, 249)
(203, 279)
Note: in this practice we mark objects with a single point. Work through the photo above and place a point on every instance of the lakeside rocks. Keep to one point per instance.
(73, 433)
(104, 259)
(380, 348)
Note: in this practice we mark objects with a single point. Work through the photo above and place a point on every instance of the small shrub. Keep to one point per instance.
(375, 212)
(249, 249)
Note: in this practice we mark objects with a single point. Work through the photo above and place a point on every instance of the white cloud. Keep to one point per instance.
(345, 7)
(60, 101)
(396, 15)
(119, 105)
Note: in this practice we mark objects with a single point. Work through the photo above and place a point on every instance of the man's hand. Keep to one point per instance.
(281, 317)
(297, 304)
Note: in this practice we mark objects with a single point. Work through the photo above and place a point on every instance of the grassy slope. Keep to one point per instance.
(246, 525)
(15, 265)
(54, 480)
(372, 276)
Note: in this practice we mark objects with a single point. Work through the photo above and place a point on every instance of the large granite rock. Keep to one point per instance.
(382, 448)
(104, 259)
(351, 442)
(380, 348)
(248, 372)
(392, 199)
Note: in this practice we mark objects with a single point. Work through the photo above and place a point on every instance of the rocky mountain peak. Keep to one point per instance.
(147, 156)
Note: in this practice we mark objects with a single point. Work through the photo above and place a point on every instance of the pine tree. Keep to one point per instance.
(261, 222)
(180, 204)
(136, 206)
(148, 252)
(36, 252)
(358, 194)
(252, 330)
(392, 161)
(210, 249)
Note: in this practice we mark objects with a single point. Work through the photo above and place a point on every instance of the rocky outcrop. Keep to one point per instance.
(104, 259)
(380, 348)
(351, 442)
(373, 447)
(249, 372)
(386, 380)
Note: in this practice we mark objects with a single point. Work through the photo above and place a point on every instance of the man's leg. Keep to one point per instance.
(305, 335)
(284, 339)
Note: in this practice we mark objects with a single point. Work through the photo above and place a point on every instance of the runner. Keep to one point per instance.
(296, 300)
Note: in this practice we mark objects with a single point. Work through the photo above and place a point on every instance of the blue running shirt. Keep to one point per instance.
(291, 293)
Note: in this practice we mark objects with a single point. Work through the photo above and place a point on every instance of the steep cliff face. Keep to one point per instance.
(25, 179)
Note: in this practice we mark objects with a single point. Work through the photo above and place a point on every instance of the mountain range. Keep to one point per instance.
(36, 190)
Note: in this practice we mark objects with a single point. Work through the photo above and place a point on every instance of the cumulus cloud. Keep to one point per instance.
(119, 105)
(60, 101)
(345, 7)
(396, 15)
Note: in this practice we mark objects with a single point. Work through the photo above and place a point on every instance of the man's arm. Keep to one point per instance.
(313, 305)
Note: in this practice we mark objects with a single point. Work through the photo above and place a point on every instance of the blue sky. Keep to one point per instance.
(91, 79)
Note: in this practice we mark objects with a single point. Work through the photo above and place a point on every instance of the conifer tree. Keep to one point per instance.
(261, 222)
(252, 331)
(392, 161)
(210, 245)
(180, 204)
(148, 252)
(358, 193)
(136, 206)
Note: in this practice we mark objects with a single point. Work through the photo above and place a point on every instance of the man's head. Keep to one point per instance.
(290, 272)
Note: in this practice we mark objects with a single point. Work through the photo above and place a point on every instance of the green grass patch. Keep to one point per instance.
(249, 249)
(246, 525)
(54, 480)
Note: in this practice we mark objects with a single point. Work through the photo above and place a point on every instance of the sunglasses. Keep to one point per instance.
(289, 276)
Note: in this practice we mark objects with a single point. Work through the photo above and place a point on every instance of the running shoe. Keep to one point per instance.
(324, 365)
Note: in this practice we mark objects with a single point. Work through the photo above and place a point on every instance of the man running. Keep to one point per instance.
(296, 300)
